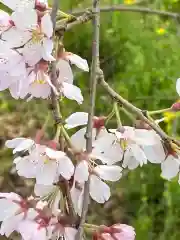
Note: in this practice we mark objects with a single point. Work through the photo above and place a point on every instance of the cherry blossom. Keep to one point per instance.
(136, 142)
(44, 229)
(42, 163)
(116, 232)
(14, 210)
(65, 78)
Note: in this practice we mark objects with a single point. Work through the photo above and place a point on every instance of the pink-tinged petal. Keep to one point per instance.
(46, 25)
(78, 139)
(107, 236)
(32, 53)
(78, 61)
(65, 72)
(72, 92)
(146, 137)
(16, 4)
(109, 173)
(26, 168)
(126, 232)
(66, 167)
(4, 21)
(47, 50)
(70, 233)
(53, 154)
(25, 19)
(24, 145)
(11, 196)
(9, 225)
(40, 90)
(14, 142)
(99, 191)
(7, 208)
(170, 168)
(155, 154)
(15, 37)
(107, 149)
(43, 190)
(138, 153)
(77, 198)
(47, 173)
(26, 228)
(76, 119)
(178, 86)
(131, 163)
(47, 79)
(81, 172)
(5, 80)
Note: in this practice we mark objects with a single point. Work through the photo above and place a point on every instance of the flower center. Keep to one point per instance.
(37, 35)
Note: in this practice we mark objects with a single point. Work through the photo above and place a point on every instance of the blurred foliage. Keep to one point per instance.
(140, 56)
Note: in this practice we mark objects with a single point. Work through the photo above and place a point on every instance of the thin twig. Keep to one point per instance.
(125, 8)
(86, 16)
(93, 82)
(135, 110)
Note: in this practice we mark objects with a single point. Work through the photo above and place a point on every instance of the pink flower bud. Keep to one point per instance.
(98, 122)
(176, 106)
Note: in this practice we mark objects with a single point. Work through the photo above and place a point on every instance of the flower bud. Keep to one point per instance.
(176, 106)
(98, 122)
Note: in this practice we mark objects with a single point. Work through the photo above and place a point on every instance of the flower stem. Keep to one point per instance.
(160, 111)
(118, 118)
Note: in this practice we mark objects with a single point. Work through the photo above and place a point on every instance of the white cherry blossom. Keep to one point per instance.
(41, 162)
(45, 229)
(99, 190)
(14, 210)
(136, 143)
(65, 77)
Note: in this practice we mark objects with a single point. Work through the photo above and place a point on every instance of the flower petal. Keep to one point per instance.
(72, 92)
(46, 25)
(170, 168)
(25, 19)
(54, 154)
(66, 168)
(14, 142)
(76, 119)
(99, 191)
(109, 173)
(81, 172)
(78, 61)
(65, 72)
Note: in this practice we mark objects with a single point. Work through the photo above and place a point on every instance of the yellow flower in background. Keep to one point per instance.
(161, 31)
(169, 116)
(129, 2)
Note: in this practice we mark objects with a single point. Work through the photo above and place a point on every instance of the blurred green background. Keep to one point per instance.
(140, 56)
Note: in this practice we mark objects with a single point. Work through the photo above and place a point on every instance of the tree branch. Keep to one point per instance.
(85, 17)
(93, 82)
(125, 8)
(138, 112)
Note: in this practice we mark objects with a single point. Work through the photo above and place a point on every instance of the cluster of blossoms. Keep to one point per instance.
(26, 47)
(26, 51)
